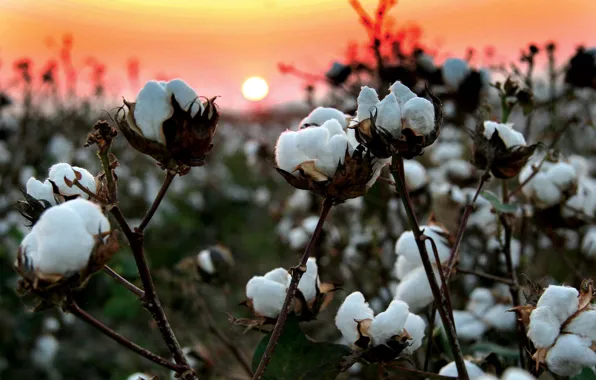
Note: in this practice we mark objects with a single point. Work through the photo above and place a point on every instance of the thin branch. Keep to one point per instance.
(127, 284)
(487, 276)
(297, 273)
(74, 308)
(162, 192)
(398, 171)
(429, 344)
(85, 190)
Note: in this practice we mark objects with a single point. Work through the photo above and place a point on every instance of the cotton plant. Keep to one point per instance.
(212, 265)
(395, 328)
(320, 115)
(562, 328)
(413, 287)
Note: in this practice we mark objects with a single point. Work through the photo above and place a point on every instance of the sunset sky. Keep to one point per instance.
(216, 44)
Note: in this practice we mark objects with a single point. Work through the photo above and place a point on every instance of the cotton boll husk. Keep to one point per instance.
(205, 262)
(403, 266)
(500, 318)
(185, 96)
(544, 327)
(416, 176)
(583, 324)
(454, 71)
(516, 374)
(569, 355)
(389, 115)
(451, 370)
(353, 309)
(279, 275)
(389, 323)
(152, 108)
(468, 326)
(562, 174)
(93, 219)
(45, 350)
(481, 299)
(414, 326)
(267, 296)
(419, 115)
(309, 282)
(287, 154)
(41, 190)
(562, 300)
(321, 114)
(406, 245)
(367, 100)
(311, 141)
(401, 92)
(415, 290)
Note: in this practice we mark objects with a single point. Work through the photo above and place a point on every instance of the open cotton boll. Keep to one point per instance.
(401, 92)
(353, 310)
(562, 174)
(139, 375)
(333, 155)
(406, 245)
(451, 370)
(569, 355)
(94, 221)
(419, 115)
(468, 326)
(516, 374)
(45, 350)
(481, 299)
(389, 323)
(279, 275)
(403, 266)
(414, 326)
(508, 135)
(562, 300)
(544, 190)
(185, 96)
(415, 290)
(544, 327)
(309, 282)
(499, 318)
(583, 324)
(454, 71)
(367, 101)
(321, 114)
(446, 151)
(60, 171)
(287, 154)
(312, 141)
(267, 296)
(205, 262)
(41, 190)
(389, 115)
(152, 108)
(416, 177)
(580, 164)
(297, 238)
(589, 242)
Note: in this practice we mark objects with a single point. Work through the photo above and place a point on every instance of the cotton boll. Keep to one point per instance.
(562, 174)
(454, 72)
(468, 326)
(279, 275)
(419, 115)
(139, 375)
(41, 190)
(416, 177)
(299, 201)
(406, 245)
(311, 141)
(580, 165)
(60, 148)
(205, 262)
(544, 327)
(267, 296)
(562, 300)
(287, 154)
(516, 374)
(185, 96)
(401, 92)
(415, 290)
(309, 282)
(506, 133)
(499, 318)
(569, 355)
(93, 219)
(445, 151)
(353, 309)
(403, 266)
(583, 324)
(152, 108)
(451, 370)
(589, 242)
(481, 299)
(59, 172)
(334, 155)
(389, 115)
(45, 350)
(547, 194)
(389, 323)
(334, 127)
(321, 114)
(414, 326)
(367, 100)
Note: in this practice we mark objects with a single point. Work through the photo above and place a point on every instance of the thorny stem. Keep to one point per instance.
(127, 284)
(74, 308)
(488, 276)
(442, 306)
(297, 273)
(162, 192)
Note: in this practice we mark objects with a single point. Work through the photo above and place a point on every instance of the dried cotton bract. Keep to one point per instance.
(170, 123)
(400, 123)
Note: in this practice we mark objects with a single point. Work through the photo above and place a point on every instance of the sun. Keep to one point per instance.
(255, 89)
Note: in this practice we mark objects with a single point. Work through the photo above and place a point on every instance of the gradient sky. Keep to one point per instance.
(216, 44)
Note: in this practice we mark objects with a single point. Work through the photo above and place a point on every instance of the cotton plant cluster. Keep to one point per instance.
(476, 373)
(554, 182)
(562, 327)
(396, 325)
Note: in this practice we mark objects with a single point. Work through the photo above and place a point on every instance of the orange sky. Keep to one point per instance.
(216, 44)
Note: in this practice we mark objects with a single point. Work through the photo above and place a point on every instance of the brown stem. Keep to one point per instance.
(162, 192)
(488, 276)
(429, 344)
(297, 273)
(85, 190)
(74, 308)
(442, 306)
(127, 284)
(104, 156)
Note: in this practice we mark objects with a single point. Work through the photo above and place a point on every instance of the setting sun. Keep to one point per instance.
(255, 89)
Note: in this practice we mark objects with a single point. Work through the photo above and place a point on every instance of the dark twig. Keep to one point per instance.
(398, 173)
(85, 190)
(74, 308)
(297, 273)
(162, 192)
(127, 284)
(487, 276)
